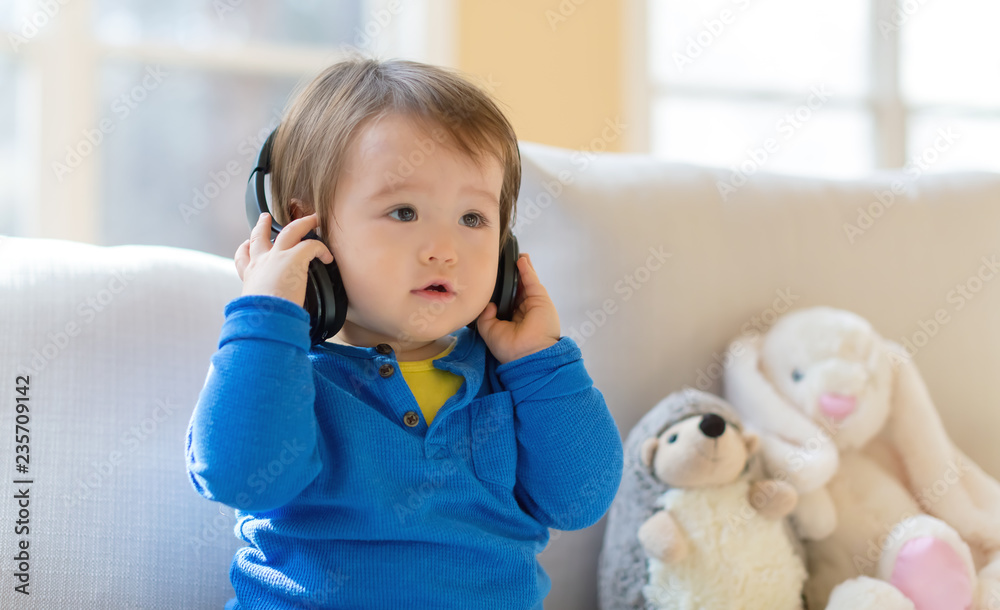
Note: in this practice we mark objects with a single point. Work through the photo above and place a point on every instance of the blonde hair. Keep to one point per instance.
(318, 126)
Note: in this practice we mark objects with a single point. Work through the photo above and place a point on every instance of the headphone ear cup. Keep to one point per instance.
(326, 300)
(508, 280)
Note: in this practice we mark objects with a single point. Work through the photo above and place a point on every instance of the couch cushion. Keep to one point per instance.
(115, 343)
(653, 270)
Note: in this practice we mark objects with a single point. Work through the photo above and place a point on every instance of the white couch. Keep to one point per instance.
(652, 271)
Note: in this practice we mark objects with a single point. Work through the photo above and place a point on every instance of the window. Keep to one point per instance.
(811, 87)
(137, 121)
(12, 164)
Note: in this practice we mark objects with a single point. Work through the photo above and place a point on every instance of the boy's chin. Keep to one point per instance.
(436, 329)
(426, 335)
(424, 332)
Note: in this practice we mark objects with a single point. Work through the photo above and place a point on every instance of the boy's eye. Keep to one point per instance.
(406, 214)
(474, 220)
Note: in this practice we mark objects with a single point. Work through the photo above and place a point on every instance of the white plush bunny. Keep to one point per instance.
(887, 503)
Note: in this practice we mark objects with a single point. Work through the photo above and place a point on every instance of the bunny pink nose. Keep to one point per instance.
(837, 406)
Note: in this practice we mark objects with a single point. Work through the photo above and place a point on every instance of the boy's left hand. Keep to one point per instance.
(534, 325)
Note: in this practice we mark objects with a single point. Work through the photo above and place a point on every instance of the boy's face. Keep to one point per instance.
(410, 210)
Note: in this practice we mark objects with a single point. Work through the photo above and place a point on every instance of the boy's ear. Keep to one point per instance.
(297, 209)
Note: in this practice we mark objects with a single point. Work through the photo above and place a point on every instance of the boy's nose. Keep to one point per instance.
(442, 257)
(439, 248)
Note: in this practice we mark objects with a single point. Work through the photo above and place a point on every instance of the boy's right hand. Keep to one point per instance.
(280, 269)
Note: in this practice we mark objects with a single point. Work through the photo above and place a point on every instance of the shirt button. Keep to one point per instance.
(383, 348)
(410, 418)
(386, 370)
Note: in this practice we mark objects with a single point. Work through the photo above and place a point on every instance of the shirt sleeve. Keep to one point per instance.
(252, 442)
(569, 461)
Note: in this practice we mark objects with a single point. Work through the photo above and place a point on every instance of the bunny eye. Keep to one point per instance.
(673, 438)
(796, 375)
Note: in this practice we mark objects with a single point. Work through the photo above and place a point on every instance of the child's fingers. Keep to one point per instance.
(243, 251)
(260, 236)
(529, 283)
(526, 277)
(242, 257)
(295, 231)
(313, 248)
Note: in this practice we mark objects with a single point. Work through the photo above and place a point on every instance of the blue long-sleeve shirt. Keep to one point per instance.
(344, 504)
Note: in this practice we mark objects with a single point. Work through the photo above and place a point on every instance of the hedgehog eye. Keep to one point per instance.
(796, 375)
(673, 438)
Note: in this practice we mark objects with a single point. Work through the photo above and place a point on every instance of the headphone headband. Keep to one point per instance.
(256, 194)
(326, 299)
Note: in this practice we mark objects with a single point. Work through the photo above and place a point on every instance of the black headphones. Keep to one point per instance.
(326, 299)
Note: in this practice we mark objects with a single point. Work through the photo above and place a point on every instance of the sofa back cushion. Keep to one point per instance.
(654, 267)
(111, 346)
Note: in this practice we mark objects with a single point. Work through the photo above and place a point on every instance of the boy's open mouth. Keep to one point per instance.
(436, 290)
(437, 285)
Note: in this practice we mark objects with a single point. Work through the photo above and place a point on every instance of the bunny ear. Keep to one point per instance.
(946, 483)
(790, 442)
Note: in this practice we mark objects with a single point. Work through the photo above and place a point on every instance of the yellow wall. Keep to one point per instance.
(554, 64)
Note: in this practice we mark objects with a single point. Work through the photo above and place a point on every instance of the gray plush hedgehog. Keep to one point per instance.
(688, 530)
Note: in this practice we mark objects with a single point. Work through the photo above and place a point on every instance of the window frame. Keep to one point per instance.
(884, 102)
(59, 97)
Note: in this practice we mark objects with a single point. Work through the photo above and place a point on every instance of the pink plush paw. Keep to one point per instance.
(932, 575)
